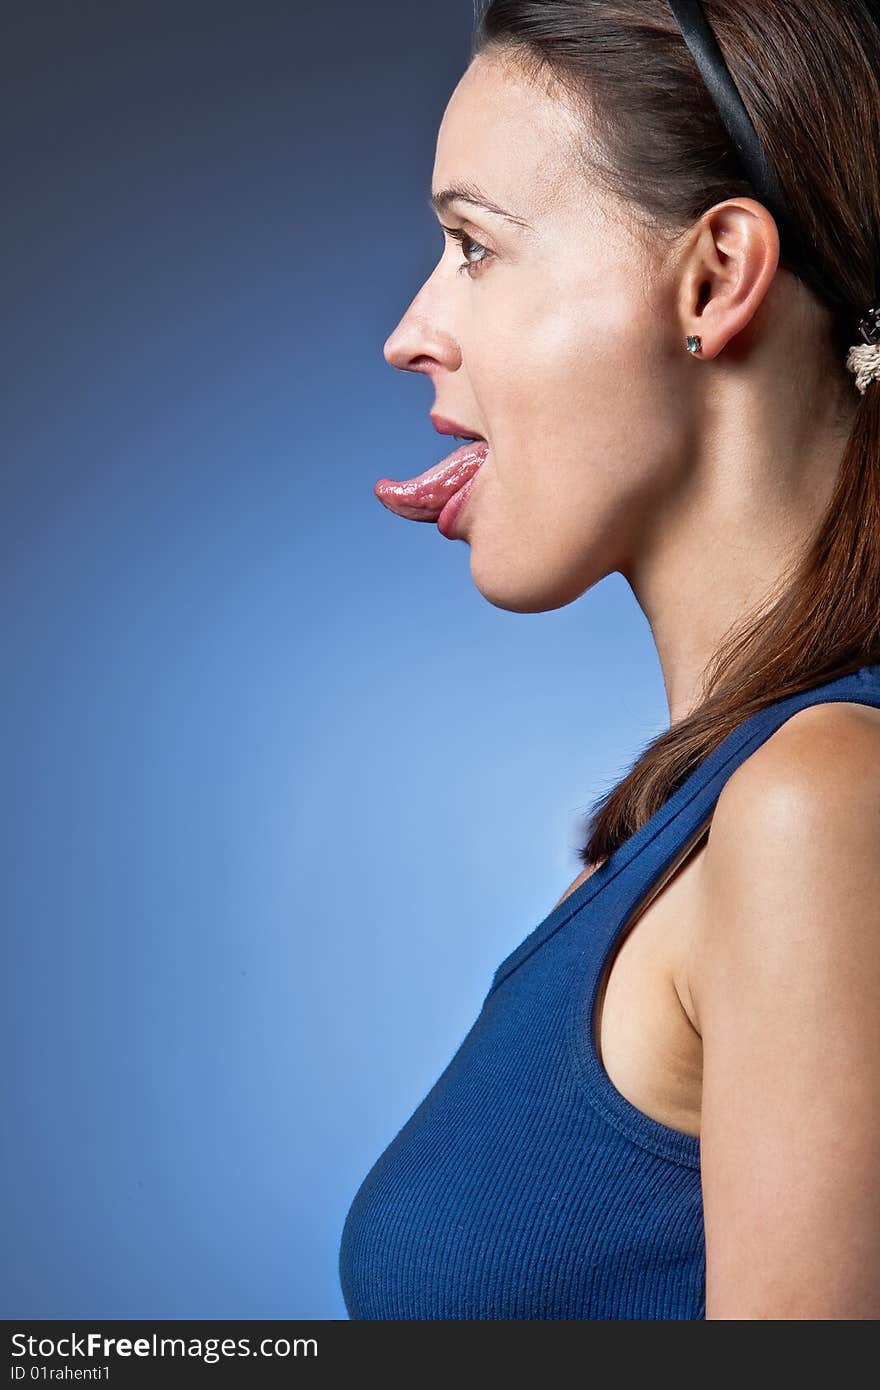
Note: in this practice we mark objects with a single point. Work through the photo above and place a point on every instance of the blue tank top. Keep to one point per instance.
(525, 1185)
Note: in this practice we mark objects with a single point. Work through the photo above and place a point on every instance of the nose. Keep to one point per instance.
(420, 343)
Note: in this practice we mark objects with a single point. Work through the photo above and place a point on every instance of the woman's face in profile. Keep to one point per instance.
(552, 337)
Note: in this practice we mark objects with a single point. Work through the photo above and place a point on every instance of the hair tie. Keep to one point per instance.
(864, 358)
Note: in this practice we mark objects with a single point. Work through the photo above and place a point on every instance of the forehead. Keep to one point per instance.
(503, 132)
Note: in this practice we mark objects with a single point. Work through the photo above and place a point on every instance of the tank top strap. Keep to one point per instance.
(629, 872)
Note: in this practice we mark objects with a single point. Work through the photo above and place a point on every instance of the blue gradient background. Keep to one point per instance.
(281, 787)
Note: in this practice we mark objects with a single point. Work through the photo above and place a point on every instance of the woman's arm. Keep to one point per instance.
(786, 982)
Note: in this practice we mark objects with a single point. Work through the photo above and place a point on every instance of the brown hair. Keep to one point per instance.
(807, 72)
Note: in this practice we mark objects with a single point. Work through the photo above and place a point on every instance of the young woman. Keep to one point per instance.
(657, 315)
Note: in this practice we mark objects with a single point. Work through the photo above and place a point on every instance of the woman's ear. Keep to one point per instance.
(726, 271)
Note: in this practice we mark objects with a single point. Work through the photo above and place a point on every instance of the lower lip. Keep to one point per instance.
(447, 518)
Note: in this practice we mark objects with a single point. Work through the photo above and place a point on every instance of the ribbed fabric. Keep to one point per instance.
(525, 1185)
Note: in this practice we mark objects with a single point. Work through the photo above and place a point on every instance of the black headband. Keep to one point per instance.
(723, 90)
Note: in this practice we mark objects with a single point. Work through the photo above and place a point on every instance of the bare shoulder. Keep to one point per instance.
(820, 768)
(798, 824)
(785, 978)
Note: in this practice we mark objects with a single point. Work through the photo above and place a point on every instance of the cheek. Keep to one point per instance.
(574, 382)
(577, 359)
(579, 413)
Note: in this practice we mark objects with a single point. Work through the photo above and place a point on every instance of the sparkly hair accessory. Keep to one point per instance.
(864, 358)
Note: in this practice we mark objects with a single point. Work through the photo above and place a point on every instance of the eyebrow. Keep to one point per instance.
(470, 193)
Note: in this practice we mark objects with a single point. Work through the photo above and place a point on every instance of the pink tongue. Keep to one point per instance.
(424, 497)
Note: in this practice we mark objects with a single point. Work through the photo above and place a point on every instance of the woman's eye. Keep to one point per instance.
(467, 243)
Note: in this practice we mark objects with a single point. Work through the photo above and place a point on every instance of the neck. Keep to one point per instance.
(750, 498)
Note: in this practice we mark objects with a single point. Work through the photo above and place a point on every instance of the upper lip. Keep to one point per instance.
(444, 426)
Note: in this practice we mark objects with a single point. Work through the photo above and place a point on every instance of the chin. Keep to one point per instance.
(517, 592)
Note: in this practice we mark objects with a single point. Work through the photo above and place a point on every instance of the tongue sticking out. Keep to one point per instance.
(423, 498)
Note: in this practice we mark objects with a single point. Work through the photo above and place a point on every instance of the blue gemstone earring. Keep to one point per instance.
(694, 342)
